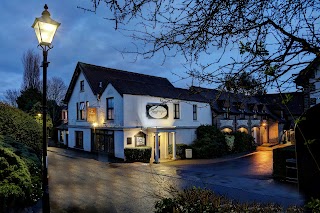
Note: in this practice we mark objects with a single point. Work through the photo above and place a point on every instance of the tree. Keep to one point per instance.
(243, 83)
(28, 99)
(11, 96)
(31, 74)
(56, 90)
(273, 38)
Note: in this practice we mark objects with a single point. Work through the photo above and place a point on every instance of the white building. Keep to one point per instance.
(308, 79)
(109, 110)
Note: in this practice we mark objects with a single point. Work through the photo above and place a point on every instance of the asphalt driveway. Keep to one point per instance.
(82, 182)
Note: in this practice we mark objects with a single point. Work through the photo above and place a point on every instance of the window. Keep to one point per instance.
(226, 113)
(176, 111)
(129, 141)
(61, 136)
(242, 115)
(81, 112)
(64, 116)
(195, 112)
(81, 86)
(110, 108)
(79, 139)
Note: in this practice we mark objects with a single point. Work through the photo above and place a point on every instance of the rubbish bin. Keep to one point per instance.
(188, 153)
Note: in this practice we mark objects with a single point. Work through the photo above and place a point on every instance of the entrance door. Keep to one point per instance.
(103, 141)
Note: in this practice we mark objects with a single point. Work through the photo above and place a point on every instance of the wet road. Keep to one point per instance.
(246, 179)
(80, 183)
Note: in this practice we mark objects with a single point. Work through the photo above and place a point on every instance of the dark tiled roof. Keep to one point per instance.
(268, 104)
(129, 83)
(274, 102)
(218, 99)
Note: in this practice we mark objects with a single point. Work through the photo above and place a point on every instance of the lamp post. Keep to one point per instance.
(45, 28)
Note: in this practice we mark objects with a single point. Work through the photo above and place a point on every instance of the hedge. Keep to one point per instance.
(243, 142)
(210, 143)
(138, 154)
(15, 180)
(205, 200)
(20, 126)
(24, 159)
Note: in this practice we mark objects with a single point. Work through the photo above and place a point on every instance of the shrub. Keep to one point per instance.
(180, 150)
(243, 142)
(280, 155)
(313, 205)
(33, 166)
(210, 142)
(15, 179)
(20, 126)
(204, 200)
(138, 154)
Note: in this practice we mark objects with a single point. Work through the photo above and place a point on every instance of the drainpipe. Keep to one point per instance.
(156, 148)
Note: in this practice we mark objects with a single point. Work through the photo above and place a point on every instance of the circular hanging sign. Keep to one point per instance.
(158, 112)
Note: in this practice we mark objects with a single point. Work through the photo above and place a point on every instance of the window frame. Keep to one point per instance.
(110, 116)
(176, 111)
(81, 111)
(195, 112)
(82, 86)
(226, 114)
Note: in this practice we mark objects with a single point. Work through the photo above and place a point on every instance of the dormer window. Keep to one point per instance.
(242, 116)
(226, 112)
(81, 86)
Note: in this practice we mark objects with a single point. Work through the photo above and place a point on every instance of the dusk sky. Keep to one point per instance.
(82, 36)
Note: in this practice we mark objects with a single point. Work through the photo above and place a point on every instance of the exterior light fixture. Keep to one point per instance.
(45, 29)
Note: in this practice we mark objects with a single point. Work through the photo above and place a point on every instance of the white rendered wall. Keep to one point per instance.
(185, 136)
(118, 144)
(86, 138)
(316, 94)
(111, 92)
(134, 110)
(80, 96)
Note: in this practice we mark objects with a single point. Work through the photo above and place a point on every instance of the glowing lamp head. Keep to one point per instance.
(45, 28)
(94, 124)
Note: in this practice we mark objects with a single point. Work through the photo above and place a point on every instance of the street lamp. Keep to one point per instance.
(45, 28)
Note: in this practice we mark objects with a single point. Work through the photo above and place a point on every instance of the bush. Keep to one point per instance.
(180, 150)
(21, 127)
(138, 154)
(15, 179)
(210, 142)
(204, 200)
(33, 169)
(280, 155)
(243, 142)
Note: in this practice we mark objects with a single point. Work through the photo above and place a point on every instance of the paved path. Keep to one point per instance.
(81, 183)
